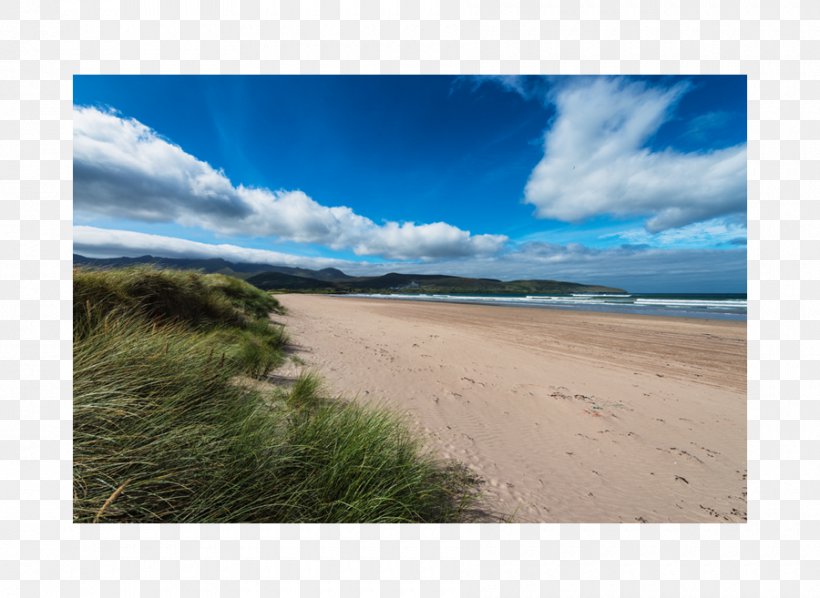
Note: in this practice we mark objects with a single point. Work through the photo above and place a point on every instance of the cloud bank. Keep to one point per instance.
(91, 241)
(596, 161)
(634, 268)
(124, 169)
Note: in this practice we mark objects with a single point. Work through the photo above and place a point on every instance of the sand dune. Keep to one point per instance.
(567, 416)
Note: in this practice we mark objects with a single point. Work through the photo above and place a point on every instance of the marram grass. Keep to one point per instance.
(164, 430)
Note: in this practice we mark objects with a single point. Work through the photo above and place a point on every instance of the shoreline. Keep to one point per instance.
(568, 415)
(584, 310)
(654, 312)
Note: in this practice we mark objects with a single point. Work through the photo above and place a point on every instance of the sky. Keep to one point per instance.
(634, 182)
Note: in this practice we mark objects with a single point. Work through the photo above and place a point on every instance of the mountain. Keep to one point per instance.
(274, 280)
(436, 283)
(238, 269)
(286, 278)
(329, 274)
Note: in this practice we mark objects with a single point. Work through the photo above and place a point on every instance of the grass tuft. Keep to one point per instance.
(304, 394)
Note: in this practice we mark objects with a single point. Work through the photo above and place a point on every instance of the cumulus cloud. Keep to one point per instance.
(124, 169)
(596, 161)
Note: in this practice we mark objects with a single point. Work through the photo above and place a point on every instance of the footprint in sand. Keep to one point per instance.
(471, 381)
(714, 513)
(683, 453)
(709, 452)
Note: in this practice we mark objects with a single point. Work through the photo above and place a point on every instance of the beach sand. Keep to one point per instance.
(567, 416)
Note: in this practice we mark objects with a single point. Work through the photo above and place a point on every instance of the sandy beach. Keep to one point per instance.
(566, 416)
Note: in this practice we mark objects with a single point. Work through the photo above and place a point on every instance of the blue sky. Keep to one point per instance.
(638, 182)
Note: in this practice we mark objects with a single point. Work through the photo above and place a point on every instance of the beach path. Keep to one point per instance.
(567, 416)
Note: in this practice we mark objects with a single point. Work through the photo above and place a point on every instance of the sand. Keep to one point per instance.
(567, 416)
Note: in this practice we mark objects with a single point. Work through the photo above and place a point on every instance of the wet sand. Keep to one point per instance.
(567, 416)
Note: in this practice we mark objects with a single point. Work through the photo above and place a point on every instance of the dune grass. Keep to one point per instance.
(165, 430)
(169, 295)
(233, 313)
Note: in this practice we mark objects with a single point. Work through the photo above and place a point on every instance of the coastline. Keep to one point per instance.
(569, 416)
(720, 306)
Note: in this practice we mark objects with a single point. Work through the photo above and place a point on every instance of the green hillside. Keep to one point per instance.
(332, 280)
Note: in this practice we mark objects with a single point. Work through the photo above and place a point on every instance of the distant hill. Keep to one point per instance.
(286, 278)
(436, 283)
(280, 281)
(238, 269)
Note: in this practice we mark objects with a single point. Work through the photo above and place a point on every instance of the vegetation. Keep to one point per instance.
(174, 422)
(331, 280)
(420, 283)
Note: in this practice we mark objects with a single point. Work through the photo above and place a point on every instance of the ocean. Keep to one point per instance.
(717, 306)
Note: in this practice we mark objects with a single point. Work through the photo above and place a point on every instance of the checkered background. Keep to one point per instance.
(42, 44)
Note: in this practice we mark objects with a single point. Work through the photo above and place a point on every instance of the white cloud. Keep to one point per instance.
(699, 234)
(124, 169)
(633, 268)
(596, 161)
(529, 87)
(636, 269)
(102, 242)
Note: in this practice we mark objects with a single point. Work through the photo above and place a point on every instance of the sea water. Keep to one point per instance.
(720, 306)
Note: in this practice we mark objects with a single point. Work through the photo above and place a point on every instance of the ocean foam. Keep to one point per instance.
(624, 303)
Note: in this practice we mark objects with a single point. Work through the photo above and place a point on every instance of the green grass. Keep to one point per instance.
(169, 295)
(233, 313)
(167, 428)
